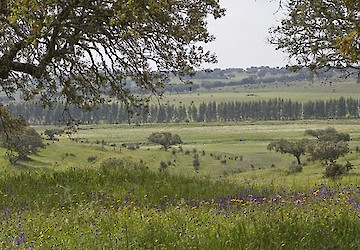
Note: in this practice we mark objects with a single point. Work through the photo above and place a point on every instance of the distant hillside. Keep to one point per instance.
(220, 78)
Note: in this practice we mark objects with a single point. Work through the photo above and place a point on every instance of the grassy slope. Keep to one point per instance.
(219, 142)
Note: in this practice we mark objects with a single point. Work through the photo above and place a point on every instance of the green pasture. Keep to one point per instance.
(120, 200)
(236, 151)
(296, 91)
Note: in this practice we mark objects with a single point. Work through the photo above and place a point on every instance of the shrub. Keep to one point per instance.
(163, 166)
(196, 162)
(91, 158)
(187, 152)
(335, 170)
(165, 139)
(295, 168)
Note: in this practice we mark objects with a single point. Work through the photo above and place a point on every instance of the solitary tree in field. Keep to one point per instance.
(295, 148)
(165, 139)
(320, 34)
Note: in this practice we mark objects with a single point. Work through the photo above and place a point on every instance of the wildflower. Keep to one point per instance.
(20, 239)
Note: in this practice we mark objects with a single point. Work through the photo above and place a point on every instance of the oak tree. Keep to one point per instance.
(320, 34)
(21, 143)
(84, 51)
(295, 148)
(165, 139)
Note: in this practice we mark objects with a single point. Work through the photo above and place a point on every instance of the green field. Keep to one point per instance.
(296, 91)
(213, 142)
(90, 190)
(120, 200)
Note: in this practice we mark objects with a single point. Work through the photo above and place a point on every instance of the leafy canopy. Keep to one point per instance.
(82, 51)
(295, 148)
(320, 34)
(165, 139)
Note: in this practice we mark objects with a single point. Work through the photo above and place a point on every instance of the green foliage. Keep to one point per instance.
(327, 151)
(165, 139)
(296, 148)
(328, 134)
(23, 142)
(330, 145)
(317, 36)
(56, 46)
(334, 170)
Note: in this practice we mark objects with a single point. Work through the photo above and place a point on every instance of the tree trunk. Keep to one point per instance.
(298, 159)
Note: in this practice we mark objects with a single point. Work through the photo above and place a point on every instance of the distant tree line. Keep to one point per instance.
(272, 109)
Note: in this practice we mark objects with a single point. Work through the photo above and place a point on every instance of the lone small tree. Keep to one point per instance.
(165, 139)
(295, 148)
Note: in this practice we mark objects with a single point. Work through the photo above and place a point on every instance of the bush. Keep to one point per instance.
(91, 158)
(335, 170)
(295, 168)
(163, 166)
(196, 162)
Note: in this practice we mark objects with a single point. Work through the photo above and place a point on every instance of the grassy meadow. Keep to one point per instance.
(296, 91)
(102, 188)
(121, 200)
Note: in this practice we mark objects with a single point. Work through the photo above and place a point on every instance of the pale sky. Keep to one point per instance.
(241, 35)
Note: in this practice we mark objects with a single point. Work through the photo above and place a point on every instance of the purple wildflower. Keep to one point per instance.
(20, 239)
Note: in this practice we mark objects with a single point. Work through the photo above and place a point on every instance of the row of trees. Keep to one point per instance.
(273, 109)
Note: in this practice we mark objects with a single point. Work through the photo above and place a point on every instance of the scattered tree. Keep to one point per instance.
(165, 139)
(327, 151)
(328, 134)
(295, 148)
(329, 146)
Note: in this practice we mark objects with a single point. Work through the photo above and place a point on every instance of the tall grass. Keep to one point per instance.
(122, 205)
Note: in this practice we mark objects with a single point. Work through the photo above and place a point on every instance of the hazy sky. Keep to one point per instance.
(241, 35)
